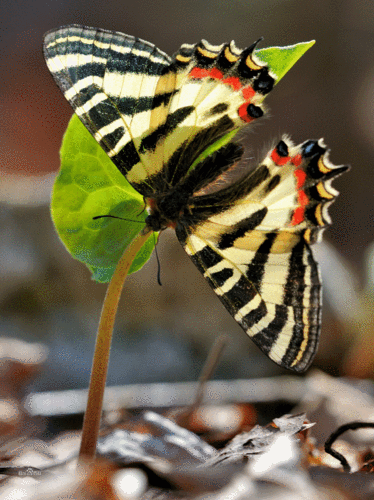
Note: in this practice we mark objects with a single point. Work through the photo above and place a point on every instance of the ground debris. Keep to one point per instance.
(165, 462)
(220, 452)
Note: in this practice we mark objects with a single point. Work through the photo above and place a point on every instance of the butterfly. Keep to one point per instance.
(154, 116)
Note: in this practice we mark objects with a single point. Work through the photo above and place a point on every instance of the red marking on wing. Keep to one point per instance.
(279, 160)
(242, 112)
(302, 199)
(297, 159)
(233, 81)
(300, 177)
(216, 74)
(248, 93)
(298, 216)
(199, 73)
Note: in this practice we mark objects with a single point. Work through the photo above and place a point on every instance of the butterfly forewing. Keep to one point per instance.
(153, 114)
(111, 79)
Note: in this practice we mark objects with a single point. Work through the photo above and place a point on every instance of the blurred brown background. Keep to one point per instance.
(164, 333)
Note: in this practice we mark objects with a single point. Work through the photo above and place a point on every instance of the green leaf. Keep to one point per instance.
(88, 185)
(281, 59)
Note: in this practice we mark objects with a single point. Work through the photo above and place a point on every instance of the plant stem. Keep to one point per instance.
(100, 362)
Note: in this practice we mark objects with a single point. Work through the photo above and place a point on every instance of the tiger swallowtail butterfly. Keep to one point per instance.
(154, 116)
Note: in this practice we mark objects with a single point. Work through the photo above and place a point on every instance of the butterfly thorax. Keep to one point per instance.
(175, 206)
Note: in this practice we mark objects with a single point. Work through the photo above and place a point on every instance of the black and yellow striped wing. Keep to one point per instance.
(154, 114)
(255, 250)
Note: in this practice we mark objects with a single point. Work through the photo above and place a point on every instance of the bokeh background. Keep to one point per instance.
(164, 333)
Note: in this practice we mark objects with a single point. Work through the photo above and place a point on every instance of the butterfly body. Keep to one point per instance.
(156, 117)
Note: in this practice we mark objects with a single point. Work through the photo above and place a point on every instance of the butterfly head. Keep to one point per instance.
(166, 209)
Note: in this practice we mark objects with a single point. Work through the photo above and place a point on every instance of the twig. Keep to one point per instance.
(209, 368)
(352, 426)
(100, 362)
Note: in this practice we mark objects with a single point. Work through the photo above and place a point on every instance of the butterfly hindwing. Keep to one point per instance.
(253, 248)
(152, 114)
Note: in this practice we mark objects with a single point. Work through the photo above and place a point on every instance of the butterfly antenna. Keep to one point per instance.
(158, 262)
(115, 217)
